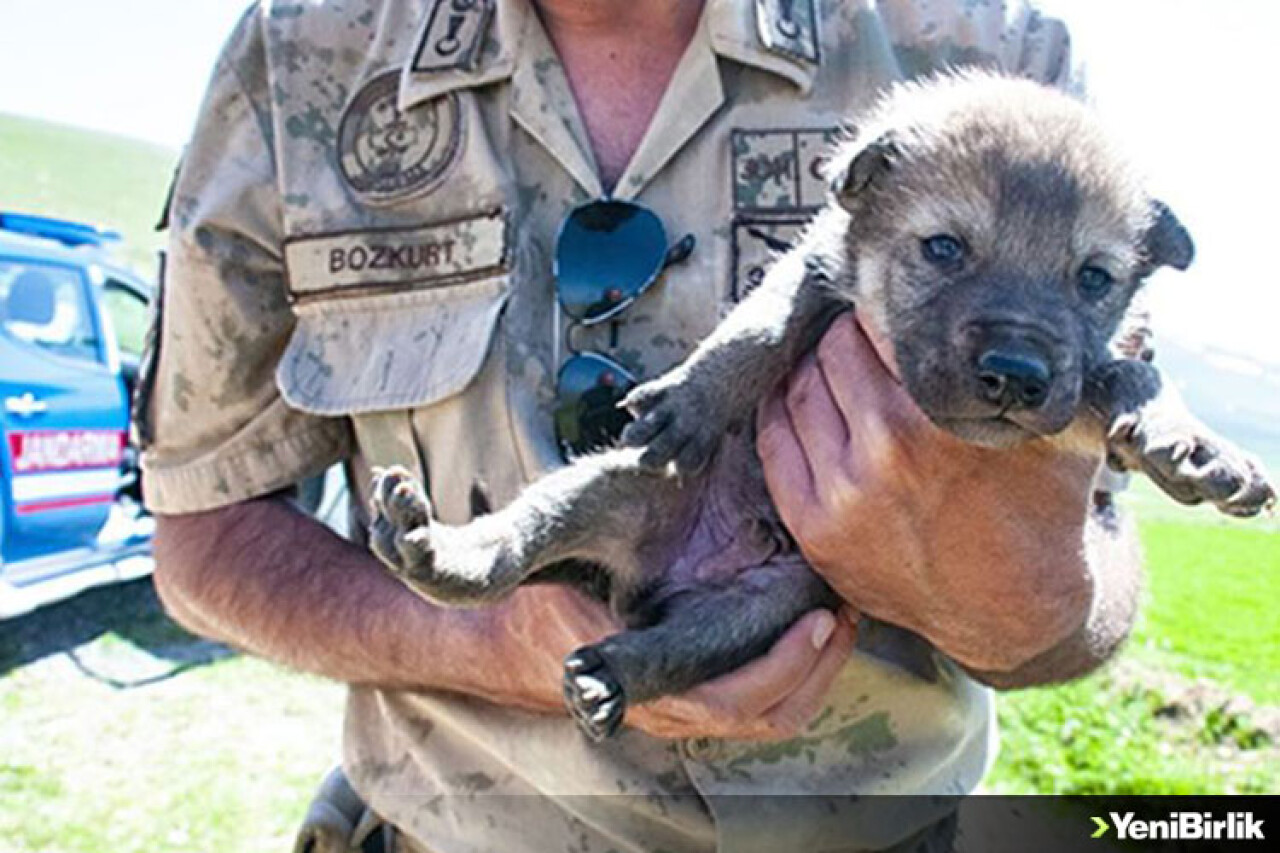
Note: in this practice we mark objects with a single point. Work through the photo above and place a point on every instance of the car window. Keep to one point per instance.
(44, 306)
(129, 315)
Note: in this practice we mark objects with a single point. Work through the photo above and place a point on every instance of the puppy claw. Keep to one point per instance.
(1193, 468)
(641, 432)
(644, 398)
(593, 695)
(675, 422)
(1123, 428)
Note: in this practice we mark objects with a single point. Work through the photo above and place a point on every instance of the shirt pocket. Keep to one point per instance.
(392, 318)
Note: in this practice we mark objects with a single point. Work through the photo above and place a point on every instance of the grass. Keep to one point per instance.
(222, 761)
(123, 733)
(70, 173)
(1214, 605)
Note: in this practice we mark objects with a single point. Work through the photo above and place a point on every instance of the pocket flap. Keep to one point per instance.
(390, 351)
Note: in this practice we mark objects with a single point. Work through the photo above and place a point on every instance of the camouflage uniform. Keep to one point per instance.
(360, 270)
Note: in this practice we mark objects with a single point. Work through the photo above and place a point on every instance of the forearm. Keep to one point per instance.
(264, 577)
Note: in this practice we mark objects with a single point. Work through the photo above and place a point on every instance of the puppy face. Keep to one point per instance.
(997, 238)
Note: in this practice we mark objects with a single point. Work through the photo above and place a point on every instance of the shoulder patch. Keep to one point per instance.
(789, 28)
(452, 37)
(387, 155)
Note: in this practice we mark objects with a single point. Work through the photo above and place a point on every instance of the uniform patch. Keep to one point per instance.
(777, 171)
(453, 35)
(757, 241)
(387, 155)
(365, 262)
(789, 27)
(777, 187)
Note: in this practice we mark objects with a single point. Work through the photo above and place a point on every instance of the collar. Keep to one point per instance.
(464, 44)
(749, 32)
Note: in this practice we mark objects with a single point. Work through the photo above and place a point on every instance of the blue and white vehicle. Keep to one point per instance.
(72, 324)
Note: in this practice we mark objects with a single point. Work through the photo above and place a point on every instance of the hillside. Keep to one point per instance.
(1238, 396)
(67, 172)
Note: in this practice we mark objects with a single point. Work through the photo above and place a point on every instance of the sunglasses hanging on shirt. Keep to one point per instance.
(608, 253)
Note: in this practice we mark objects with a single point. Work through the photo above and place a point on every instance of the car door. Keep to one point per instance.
(127, 302)
(64, 409)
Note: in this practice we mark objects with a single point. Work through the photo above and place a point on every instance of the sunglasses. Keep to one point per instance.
(608, 253)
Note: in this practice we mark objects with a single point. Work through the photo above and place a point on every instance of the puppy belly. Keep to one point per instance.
(729, 527)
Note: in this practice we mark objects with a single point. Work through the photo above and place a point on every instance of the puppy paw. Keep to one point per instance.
(1191, 464)
(444, 564)
(400, 533)
(593, 694)
(674, 422)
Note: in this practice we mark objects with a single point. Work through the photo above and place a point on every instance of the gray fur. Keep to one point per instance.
(1000, 347)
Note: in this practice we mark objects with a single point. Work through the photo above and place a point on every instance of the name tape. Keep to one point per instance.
(431, 256)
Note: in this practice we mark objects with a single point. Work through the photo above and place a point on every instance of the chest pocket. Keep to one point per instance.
(395, 318)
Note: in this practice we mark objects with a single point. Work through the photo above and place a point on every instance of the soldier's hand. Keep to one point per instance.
(771, 698)
(978, 550)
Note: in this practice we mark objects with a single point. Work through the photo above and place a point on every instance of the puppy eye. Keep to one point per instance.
(942, 249)
(1094, 282)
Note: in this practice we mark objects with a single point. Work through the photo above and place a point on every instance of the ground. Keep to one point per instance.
(1193, 703)
(123, 733)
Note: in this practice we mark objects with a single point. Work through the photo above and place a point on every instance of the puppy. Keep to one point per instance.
(994, 236)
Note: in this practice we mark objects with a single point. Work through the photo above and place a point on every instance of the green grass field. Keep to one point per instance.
(132, 742)
(71, 173)
(1213, 602)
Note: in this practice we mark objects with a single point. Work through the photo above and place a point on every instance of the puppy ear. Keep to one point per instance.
(852, 170)
(1166, 243)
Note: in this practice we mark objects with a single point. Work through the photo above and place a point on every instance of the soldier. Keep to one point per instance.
(363, 270)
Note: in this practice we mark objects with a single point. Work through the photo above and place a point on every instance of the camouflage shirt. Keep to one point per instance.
(360, 269)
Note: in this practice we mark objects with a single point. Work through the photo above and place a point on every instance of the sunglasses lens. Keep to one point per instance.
(607, 253)
(587, 413)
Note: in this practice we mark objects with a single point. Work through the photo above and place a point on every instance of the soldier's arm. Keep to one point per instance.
(262, 576)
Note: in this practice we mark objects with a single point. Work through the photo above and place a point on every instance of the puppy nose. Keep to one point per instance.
(1009, 378)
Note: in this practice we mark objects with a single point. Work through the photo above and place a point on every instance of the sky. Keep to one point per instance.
(1189, 84)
